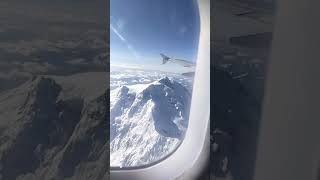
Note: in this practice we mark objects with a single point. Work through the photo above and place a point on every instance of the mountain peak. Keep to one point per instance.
(165, 81)
(159, 110)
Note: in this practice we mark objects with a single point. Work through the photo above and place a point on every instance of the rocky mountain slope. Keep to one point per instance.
(54, 128)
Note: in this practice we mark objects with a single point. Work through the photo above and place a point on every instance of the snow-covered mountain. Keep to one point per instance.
(55, 127)
(147, 121)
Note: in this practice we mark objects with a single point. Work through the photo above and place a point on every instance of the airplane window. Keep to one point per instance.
(153, 50)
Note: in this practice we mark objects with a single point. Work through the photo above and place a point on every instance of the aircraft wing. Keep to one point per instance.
(183, 63)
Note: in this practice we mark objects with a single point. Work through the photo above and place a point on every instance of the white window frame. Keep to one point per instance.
(191, 157)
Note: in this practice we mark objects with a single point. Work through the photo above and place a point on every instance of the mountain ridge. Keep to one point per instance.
(159, 110)
(53, 137)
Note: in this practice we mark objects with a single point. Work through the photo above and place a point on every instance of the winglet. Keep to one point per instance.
(165, 58)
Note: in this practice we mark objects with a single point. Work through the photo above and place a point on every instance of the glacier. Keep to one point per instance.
(148, 115)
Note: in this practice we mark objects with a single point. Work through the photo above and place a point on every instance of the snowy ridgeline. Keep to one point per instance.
(148, 115)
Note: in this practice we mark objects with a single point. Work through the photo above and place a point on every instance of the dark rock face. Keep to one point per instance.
(53, 138)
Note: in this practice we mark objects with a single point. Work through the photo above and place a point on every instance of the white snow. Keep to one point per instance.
(148, 115)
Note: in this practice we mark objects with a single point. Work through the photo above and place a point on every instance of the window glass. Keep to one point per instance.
(153, 50)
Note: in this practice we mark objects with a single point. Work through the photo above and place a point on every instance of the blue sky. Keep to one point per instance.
(141, 29)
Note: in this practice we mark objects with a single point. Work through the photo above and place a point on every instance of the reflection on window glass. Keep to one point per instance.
(153, 50)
